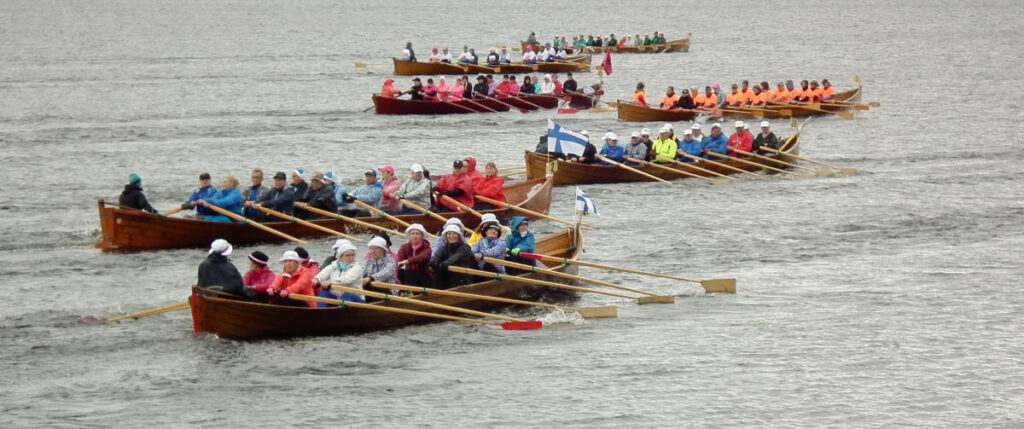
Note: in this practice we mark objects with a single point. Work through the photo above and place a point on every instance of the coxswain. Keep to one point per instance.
(766, 138)
(828, 93)
(132, 196)
(370, 193)
(664, 147)
(529, 57)
(589, 152)
(690, 146)
(279, 198)
(408, 54)
(493, 59)
(570, 84)
(216, 272)
(319, 196)
(531, 39)
(204, 191)
(258, 278)
(434, 57)
(293, 278)
(635, 149)
(389, 90)
(741, 140)
(611, 148)
(639, 97)
(490, 185)
(669, 99)
(252, 194)
(456, 185)
(414, 257)
(490, 245)
(716, 142)
(227, 198)
(734, 99)
(454, 253)
(342, 271)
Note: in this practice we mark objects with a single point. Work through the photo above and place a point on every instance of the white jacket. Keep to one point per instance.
(351, 277)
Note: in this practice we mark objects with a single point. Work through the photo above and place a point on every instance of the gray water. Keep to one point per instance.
(883, 299)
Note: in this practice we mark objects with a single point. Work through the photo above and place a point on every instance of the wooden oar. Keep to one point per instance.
(523, 99)
(610, 311)
(695, 167)
(381, 213)
(423, 210)
(464, 207)
(554, 273)
(355, 221)
(710, 285)
(752, 163)
(765, 108)
(501, 277)
(809, 106)
(783, 163)
(470, 101)
(753, 114)
(306, 223)
(251, 223)
(520, 109)
(388, 297)
(530, 213)
(172, 211)
(511, 326)
(671, 170)
(841, 169)
(461, 106)
(723, 165)
(151, 312)
(833, 103)
(628, 168)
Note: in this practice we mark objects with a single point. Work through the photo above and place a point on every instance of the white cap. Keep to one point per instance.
(416, 227)
(453, 221)
(766, 124)
(378, 241)
(687, 133)
(301, 172)
(665, 130)
(290, 255)
(634, 134)
(452, 228)
(584, 132)
(488, 217)
(221, 246)
(340, 242)
(738, 124)
(645, 132)
(717, 125)
(330, 177)
(667, 125)
(343, 248)
(416, 168)
(695, 127)
(610, 136)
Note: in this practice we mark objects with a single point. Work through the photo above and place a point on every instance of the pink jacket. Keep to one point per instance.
(390, 187)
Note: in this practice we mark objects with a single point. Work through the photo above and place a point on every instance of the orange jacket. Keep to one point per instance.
(640, 98)
(667, 102)
(709, 101)
(759, 99)
(300, 282)
(747, 96)
(734, 99)
(828, 93)
(780, 95)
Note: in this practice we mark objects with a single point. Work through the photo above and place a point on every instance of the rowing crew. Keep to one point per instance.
(469, 57)
(579, 42)
(417, 263)
(486, 87)
(325, 192)
(743, 95)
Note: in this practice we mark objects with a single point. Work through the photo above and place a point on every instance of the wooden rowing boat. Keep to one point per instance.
(134, 230)
(570, 173)
(571, 64)
(399, 106)
(678, 45)
(241, 320)
(630, 112)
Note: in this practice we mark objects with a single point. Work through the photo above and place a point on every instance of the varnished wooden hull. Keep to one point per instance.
(569, 173)
(133, 230)
(571, 64)
(678, 45)
(629, 112)
(401, 106)
(234, 319)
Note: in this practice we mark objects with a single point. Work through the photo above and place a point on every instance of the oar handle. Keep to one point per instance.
(662, 167)
(381, 213)
(252, 223)
(528, 212)
(464, 207)
(628, 168)
(152, 312)
(743, 152)
(172, 211)
(352, 220)
(290, 218)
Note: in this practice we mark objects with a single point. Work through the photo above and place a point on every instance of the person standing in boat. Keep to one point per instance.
(741, 140)
(279, 198)
(370, 193)
(320, 196)
(216, 272)
(716, 142)
(766, 138)
(259, 277)
(132, 196)
(414, 257)
(611, 148)
(293, 278)
(252, 194)
(639, 96)
(489, 246)
(454, 253)
(408, 54)
(204, 191)
(342, 270)
(227, 198)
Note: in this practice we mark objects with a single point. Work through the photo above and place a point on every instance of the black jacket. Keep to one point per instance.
(323, 198)
(281, 200)
(133, 198)
(451, 255)
(299, 191)
(569, 85)
(481, 88)
(770, 141)
(217, 270)
(684, 102)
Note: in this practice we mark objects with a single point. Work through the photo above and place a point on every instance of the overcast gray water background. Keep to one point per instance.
(885, 299)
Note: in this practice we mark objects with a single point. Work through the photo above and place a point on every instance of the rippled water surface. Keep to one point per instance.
(884, 299)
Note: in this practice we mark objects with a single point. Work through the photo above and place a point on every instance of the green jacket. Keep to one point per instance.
(664, 149)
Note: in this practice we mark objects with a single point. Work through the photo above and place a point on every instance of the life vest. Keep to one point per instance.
(734, 99)
(667, 102)
(710, 101)
(828, 93)
(640, 98)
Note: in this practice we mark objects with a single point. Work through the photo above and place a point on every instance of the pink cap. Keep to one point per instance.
(387, 169)
(716, 87)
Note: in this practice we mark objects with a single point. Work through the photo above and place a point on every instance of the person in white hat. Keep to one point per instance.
(299, 185)
(454, 253)
(716, 142)
(416, 190)
(216, 272)
(589, 152)
(293, 279)
(741, 140)
(342, 271)
(698, 134)
(664, 147)
(379, 265)
(766, 138)
(611, 148)
(439, 242)
(548, 87)
(490, 245)
(413, 257)
(689, 146)
(636, 149)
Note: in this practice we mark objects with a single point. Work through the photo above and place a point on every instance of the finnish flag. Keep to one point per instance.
(562, 140)
(584, 204)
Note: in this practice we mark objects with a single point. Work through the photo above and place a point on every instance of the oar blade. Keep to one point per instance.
(661, 299)
(567, 111)
(862, 107)
(875, 104)
(719, 285)
(606, 312)
(720, 181)
(849, 171)
(360, 65)
(94, 320)
(822, 173)
(532, 325)
(845, 115)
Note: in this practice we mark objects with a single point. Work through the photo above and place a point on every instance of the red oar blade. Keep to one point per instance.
(568, 111)
(522, 326)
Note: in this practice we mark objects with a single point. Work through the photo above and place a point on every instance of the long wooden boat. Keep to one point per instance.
(630, 112)
(571, 64)
(399, 106)
(241, 320)
(134, 230)
(678, 45)
(570, 173)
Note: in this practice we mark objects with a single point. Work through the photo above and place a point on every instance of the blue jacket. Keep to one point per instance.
(719, 145)
(514, 240)
(281, 200)
(229, 199)
(693, 147)
(614, 153)
(491, 249)
(369, 194)
(204, 193)
(339, 194)
(253, 194)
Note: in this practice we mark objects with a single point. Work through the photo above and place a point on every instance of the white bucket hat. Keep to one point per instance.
(416, 227)
(378, 242)
(221, 246)
(290, 255)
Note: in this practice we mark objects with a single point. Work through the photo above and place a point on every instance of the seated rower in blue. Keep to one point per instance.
(716, 142)
(204, 191)
(689, 145)
(371, 192)
(518, 241)
(611, 148)
(343, 271)
(228, 198)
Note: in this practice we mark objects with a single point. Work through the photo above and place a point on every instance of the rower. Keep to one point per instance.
(490, 185)
(454, 253)
(216, 272)
(716, 142)
(684, 102)
(734, 99)
(378, 264)
(758, 98)
(698, 134)
(639, 97)
(828, 93)
(434, 57)
(709, 100)
(293, 278)
(306, 261)
(471, 171)
(612, 41)
(664, 147)
(464, 56)
(645, 138)
(561, 55)
(132, 196)
(416, 190)
(719, 97)
(252, 194)
(636, 149)
(815, 92)
(342, 271)
(480, 90)
(781, 94)
(589, 152)
(278, 198)
(548, 87)
(513, 86)
(227, 198)
(803, 95)
(416, 91)
(746, 93)
(471, 58)
(503, 89)
(611, 148)
(689, 145)
(556, 83)
(670, 98)
(456, 185)
(529, 57)
(741, 140)
(413, 258)
(766, 138)
(389, 90)
(258, 278)
(647, 39)
(446, 57)
(443, 90)
(319, 196)
(518, 241)
(527, 87)
(389, 186)
(204, 191)
(506, 58)
(370, 193)
(489, 246)
(429, 90)
(493, 59)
